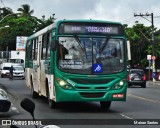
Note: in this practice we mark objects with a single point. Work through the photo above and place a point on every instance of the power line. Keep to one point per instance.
(156, 17)
(143, 16)
(2, 3)
(130, 21)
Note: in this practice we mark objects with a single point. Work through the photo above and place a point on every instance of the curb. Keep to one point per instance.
(153, 83)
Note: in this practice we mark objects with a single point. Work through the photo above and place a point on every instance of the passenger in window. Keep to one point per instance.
(114, 52)
(63, 51)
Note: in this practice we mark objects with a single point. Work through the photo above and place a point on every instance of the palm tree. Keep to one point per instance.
(5, 11)
(25, 10)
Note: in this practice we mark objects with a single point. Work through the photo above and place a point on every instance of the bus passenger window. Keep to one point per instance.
(48, 45)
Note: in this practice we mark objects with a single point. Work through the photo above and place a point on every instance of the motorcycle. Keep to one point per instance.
(29, 106)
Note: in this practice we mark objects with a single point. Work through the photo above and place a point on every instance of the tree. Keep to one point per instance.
(140, 39)
(25, 10)
(44, 23)
(5, 11)
(20, 24)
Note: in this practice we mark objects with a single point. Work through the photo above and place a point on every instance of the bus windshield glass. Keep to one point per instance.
(83, 55)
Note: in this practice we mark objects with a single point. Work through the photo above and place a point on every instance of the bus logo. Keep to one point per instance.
(97, 68)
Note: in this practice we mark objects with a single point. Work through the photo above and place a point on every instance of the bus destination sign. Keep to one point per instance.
(89, 29)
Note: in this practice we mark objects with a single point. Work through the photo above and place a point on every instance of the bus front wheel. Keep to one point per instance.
(105, 104)
(52, 104)
(34, 94)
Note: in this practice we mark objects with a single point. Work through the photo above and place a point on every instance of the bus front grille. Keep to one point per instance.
(88, 88)
(92, 95)
(91, 81)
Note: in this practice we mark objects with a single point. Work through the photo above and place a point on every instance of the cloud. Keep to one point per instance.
(123, 11)
(111, 10)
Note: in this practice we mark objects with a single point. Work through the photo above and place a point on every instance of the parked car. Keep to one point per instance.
(18, 72)
(136, 77)
(4, 101)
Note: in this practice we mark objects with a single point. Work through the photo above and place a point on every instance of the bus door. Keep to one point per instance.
(43, 57)
(34, 58)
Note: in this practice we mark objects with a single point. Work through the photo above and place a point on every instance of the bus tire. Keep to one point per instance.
(33, 93)
(105, 104)
(52, 104)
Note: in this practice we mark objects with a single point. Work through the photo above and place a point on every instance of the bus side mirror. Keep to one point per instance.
(54, 44)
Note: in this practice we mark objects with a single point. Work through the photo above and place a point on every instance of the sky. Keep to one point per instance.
(109, 10)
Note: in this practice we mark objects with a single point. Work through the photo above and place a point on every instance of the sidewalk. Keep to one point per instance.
(153, 83)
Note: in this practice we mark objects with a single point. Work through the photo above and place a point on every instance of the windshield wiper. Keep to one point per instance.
(104, 45)
(79, 42)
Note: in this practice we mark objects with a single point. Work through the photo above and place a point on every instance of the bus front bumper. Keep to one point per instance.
(63, 95)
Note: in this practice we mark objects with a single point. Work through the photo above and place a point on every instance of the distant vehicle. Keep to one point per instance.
(137, 77)
(4, 68)
(17, 57)
(18, 72)
(5, 71)
(4, 101)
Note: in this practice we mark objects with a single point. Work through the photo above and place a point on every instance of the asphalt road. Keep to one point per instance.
(142, 103)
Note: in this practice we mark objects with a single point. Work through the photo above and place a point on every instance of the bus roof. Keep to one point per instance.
(91, 21)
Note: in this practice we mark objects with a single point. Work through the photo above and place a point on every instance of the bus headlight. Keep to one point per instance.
(118, 85)
(63, 84)
(121, 83)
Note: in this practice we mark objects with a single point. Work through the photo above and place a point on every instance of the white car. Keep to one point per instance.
(18, 71)
(5, 71)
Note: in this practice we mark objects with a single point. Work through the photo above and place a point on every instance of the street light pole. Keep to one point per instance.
(152, 40)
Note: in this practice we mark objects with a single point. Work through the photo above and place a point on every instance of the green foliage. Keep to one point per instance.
(142, 45)
(19, 24)
(25, 10)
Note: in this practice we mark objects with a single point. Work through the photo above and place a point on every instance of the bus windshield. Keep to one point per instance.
(80, 54)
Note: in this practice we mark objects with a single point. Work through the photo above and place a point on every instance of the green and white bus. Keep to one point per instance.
(78, 60)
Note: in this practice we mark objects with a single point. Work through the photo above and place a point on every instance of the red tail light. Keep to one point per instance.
(144, 77)
(129, 77)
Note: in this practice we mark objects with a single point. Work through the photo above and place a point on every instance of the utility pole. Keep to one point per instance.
(152, 40)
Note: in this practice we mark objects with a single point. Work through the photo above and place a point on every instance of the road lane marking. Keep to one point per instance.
(126, 116)
(138, 97)
(14, 108)
(142, 98)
